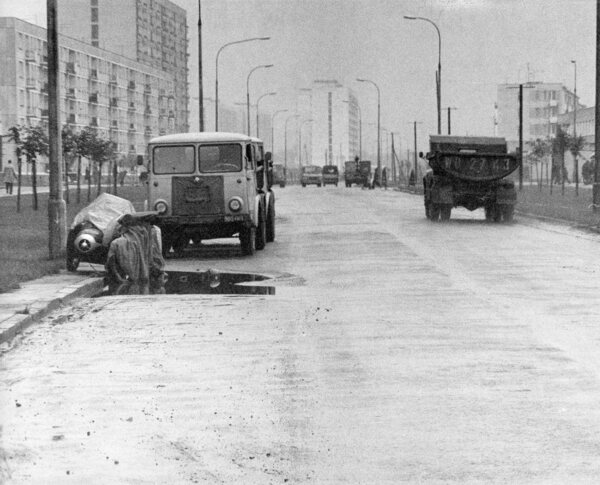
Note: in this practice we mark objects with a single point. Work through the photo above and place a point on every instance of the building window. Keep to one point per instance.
(94, 32)
(95, 15)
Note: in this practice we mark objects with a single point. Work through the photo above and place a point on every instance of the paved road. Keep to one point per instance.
(394, 350)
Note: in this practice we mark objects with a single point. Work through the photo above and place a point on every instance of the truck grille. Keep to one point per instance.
(197, 195)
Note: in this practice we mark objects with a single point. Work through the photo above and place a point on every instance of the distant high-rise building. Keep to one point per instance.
(334, 111)
(125, 101)
(153, 32)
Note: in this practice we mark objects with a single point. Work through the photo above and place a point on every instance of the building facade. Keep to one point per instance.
(543, 103)
(152, 32)
(335, 125)
(126, 101)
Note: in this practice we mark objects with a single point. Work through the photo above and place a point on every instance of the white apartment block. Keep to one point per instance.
(152, 32)
(126, 101)
(335, 130)
(543, 103)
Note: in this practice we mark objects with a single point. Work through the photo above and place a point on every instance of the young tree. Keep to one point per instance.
(539, 151)
(559, 145)
(575, 145)
(15, 137)
(32, 142)
(96, 149)
(69, 152)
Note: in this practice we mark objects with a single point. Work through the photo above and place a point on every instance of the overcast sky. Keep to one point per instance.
(484, 43)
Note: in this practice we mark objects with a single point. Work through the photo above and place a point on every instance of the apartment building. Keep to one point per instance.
(543, 103)
(152, 32)
(128, 102)
(335, 125)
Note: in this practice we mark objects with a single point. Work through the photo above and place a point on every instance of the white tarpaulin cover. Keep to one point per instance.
(103, 210)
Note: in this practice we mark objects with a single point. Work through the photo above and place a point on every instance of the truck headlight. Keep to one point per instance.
(161, 206)
(235, 204)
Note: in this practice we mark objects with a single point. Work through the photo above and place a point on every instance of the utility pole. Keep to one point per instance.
(57, 209)
(520, 136)
(575, 164)
(450, 120)
(596, 189)
(200, 90)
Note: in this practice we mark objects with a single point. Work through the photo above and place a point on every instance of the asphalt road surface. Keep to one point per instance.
(393, 350)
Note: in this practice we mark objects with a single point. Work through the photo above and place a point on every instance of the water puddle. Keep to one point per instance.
(209, 282)
(214, 282)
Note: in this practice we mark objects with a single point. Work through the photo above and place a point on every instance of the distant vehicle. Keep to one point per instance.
(330, 175)
(211, 185)
(469, 172)
(357, 172)
(311, 174)
(279, 175)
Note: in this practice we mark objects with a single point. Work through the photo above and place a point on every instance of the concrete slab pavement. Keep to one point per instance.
(36, 299)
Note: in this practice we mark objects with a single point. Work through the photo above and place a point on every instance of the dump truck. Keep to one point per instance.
(357, 172)
(470, 172)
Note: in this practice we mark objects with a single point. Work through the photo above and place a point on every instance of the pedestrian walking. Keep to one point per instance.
(9, 177)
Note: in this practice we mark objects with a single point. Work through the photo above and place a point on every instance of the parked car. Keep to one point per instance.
(330, 175)
(311, 174)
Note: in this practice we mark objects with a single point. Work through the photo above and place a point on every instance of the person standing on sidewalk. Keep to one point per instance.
(9, 177)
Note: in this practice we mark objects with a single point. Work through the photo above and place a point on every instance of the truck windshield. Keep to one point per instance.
(173, 159)
(312, 169)
(220, 158)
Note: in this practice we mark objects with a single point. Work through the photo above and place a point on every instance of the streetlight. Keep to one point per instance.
(439, 71)
(258, 101)
(378, 122)
(285, 141)
(272, 128)
(262, 66)
(574, 62)
(217, 74)
(300, 139)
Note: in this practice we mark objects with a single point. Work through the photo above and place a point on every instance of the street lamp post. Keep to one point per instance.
(273, 130)
(575, 164)
(438, 77)
(262, 66)
(300, 139)
(285, 141)
(217, 73)
(378, 123)
(257, 102)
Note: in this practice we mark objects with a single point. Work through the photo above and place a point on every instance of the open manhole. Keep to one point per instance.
(202, 282)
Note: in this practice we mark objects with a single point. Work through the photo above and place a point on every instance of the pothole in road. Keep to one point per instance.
(205, 283)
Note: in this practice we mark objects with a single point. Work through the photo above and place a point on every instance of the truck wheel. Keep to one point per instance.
(489, 213)
(271, 224)
(303, 185)
(261, 230)
(435, 212)
(428, 210)
(496, 213)
(507, 213)
(248, 240)
(446, 210)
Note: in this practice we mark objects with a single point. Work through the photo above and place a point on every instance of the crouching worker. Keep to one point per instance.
(135, 265)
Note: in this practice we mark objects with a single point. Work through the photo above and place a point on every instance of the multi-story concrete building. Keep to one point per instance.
(543, 103)
(334, 111)
(126, 101)
(153, 32)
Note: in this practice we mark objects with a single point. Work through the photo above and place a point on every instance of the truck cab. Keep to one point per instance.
(211, 185)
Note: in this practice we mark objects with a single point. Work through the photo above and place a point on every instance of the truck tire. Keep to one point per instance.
(428, 210)
(261, 231)
(496, 213)
(248, 240)
(435, 212)
(508, 213)
(303, 185)
(445, 212)
(271, 224)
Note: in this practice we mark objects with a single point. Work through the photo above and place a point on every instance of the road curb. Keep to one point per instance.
(14, 325)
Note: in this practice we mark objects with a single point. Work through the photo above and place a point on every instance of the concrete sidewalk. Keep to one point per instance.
(35, 299)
